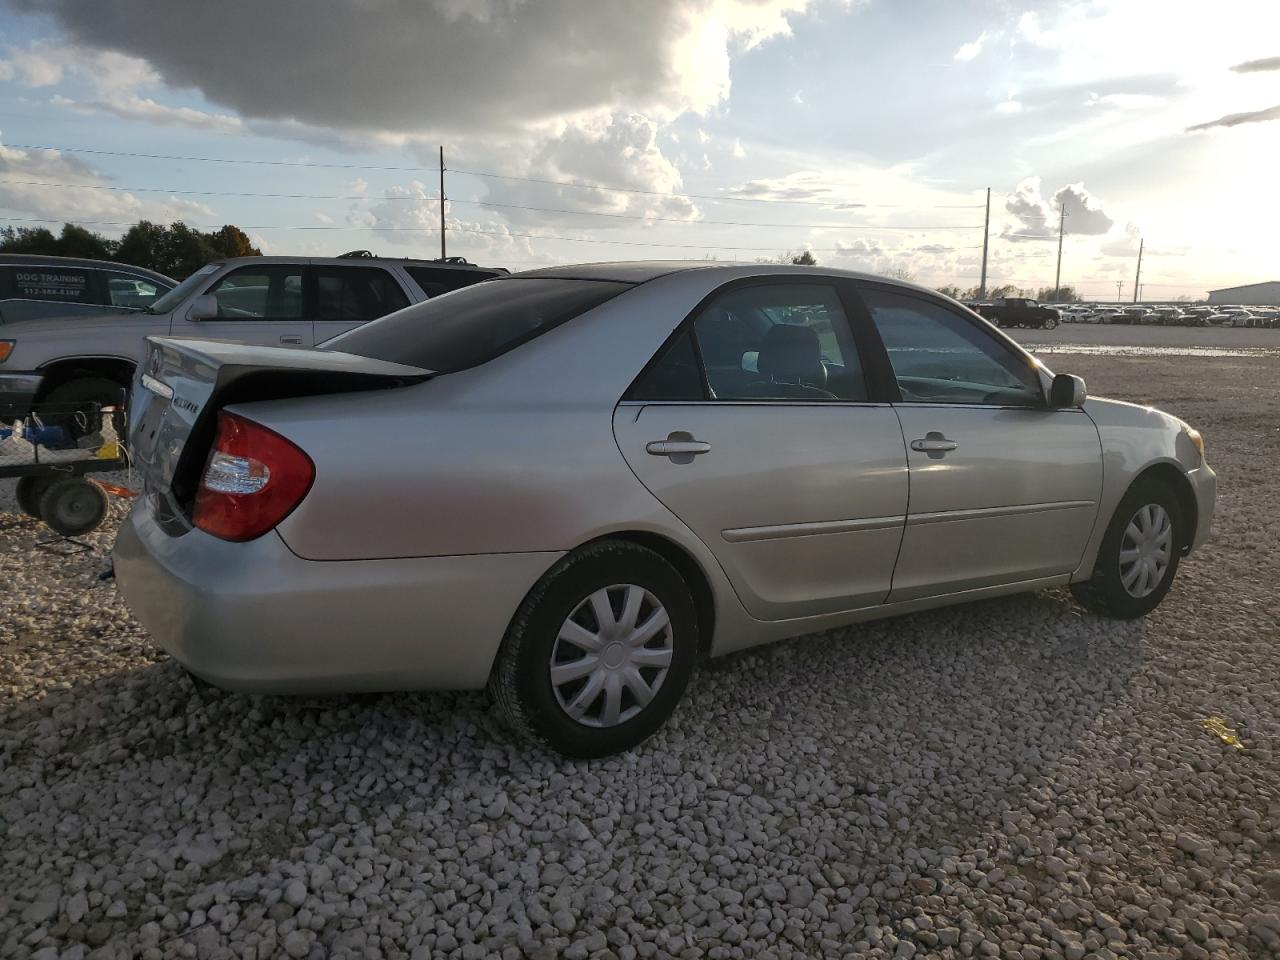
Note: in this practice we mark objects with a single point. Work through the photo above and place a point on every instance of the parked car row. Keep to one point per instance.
(74, 331)
(1169, 315)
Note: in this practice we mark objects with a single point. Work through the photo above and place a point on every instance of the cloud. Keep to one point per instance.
(1039, 217)
(802, 185)
(658, 57)
(1009, 105)
(1123, 243)
(1257, 66)
(134, 107)
(971, 49)
(1236, 119)
(1124, 101)
(45, 63)
(30, 194)
(739, 151)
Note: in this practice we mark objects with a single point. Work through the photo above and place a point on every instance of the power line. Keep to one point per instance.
(476, 203)
(477, 173)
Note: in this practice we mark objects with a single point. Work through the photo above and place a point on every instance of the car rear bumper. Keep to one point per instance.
(255, 617)
(17, 393)
(1205, 484)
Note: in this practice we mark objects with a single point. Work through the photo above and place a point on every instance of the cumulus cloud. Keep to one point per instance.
(1236, 119)
(45, 63)
(971, 49)
(28, 191)
(1038, 217)
(1122, 243)
(415, 60)
(1257, 66)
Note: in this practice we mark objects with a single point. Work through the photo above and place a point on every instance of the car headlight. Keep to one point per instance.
(6, 348)
(1197, 441)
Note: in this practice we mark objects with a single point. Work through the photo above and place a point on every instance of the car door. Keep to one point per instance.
(259, 303)
(1003, 488)
(346, 297)
(755, 427)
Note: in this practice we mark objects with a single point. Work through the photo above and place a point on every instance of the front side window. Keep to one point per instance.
(126, 290)
(471, 326)
(773, 341)
(940, 356)
(52, 283)
(356, 294)
(260, 293)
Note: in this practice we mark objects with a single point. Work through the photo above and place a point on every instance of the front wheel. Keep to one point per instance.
(599, 653)
(1139, 554)
(1050, 322)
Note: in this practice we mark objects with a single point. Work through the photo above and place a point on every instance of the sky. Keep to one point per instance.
(867, 131)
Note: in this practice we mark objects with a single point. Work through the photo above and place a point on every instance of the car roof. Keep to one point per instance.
(36, 260)
(642, 271)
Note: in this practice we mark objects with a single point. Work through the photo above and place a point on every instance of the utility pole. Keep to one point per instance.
(1057, 277)
(986, 238)
(442, 229)
(1119, 288)
(1138, 275)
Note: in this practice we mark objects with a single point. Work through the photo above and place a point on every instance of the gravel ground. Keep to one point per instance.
(1013, 778)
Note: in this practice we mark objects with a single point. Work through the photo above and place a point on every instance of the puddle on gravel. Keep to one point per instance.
(1131, 350)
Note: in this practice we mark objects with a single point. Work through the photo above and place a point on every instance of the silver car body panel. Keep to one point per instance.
(456, 494)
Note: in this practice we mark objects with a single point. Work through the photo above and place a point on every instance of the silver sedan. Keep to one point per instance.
(568, 485)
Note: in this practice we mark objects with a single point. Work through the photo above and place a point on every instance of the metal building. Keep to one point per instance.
(1251, 294)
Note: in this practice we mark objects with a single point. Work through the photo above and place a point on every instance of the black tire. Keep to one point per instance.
(521, 681)
(86, 395)
(30, 490)
(1049, 323)
(1104, 593)
(73, 506)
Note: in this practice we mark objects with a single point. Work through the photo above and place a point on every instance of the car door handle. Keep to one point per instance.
(290, 338)
(934, 443)
(676, 448)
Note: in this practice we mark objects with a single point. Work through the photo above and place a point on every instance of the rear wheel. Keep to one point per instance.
(1139, 554)
(72, 506)
(599, 653)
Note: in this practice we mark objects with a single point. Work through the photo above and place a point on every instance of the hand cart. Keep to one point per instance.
(51, 450)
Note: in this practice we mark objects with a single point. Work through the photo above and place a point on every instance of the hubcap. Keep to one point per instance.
(1145, 550)
(611, 655)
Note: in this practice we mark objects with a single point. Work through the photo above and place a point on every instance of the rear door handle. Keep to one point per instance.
(933, 443)
(674, 448)
(290, 338)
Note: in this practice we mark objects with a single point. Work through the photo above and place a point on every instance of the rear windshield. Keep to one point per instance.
(475, 324)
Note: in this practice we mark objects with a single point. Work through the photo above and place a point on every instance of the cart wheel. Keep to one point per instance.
(72, 506)
(30, 490)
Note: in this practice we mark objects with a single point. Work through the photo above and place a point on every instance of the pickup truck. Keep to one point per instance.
(271, 301)
(1017, 312)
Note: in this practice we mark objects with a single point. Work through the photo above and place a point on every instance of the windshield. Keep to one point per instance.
(473, 325)
(184, 289)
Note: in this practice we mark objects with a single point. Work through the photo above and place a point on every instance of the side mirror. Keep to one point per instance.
(1067, 391)
(203, 307)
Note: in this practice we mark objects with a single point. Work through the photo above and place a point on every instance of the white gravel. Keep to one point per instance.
(1010, 779)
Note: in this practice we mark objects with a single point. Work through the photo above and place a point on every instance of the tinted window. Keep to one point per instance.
(260, 293)
(437, 280)
(785, 341)
(939, 356)
(356, 293)
(53, 283)
(126, 290)
(674, 375)
(472, 326)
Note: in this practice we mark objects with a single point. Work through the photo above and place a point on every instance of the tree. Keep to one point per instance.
(1007, 290)
(73, 241)
(951, 290)
(1060, 295)
(901, 273)
(176, 250)
(804, 258)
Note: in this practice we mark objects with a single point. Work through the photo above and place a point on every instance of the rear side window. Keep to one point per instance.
(472, 326)
(53, 283)
(437, 280)
(356, 294)
(126, 290)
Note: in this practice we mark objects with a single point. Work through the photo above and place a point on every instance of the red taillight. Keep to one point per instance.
(253, 480)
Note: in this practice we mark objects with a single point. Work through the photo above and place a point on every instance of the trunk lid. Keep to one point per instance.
(182, 384)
